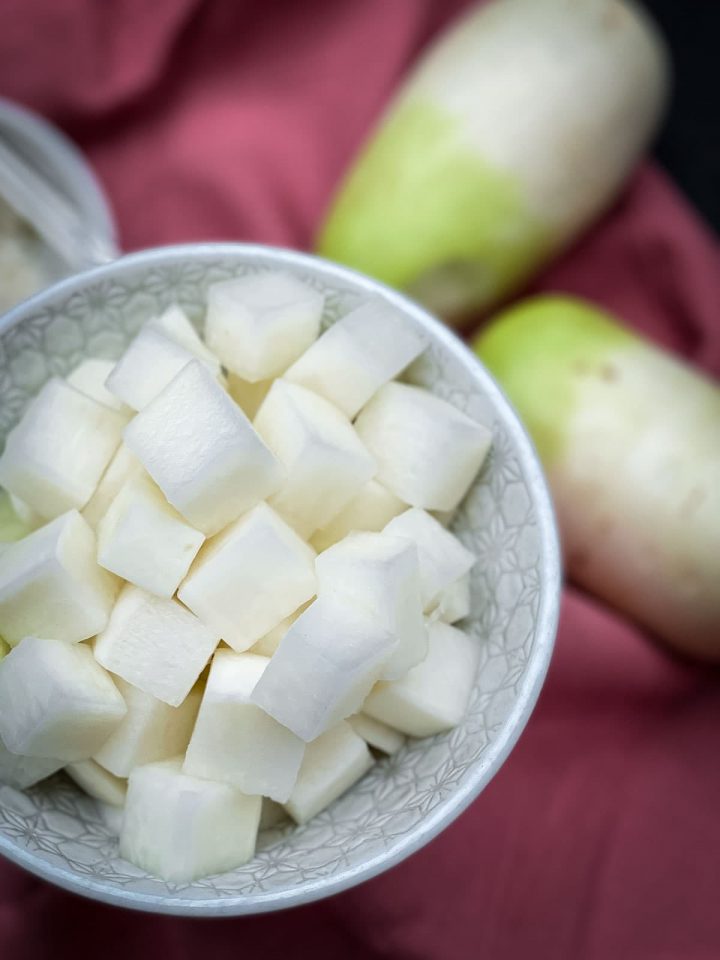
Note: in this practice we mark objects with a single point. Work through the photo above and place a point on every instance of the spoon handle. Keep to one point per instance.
(54, 218)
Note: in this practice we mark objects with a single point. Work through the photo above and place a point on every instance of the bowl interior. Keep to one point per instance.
(506, 520)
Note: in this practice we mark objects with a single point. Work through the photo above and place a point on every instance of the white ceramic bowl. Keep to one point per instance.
(506, 519)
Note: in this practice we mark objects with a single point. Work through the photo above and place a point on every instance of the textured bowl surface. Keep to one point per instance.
(506, 520)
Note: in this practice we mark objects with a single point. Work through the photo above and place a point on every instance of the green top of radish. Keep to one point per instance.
(446, 204)
(540, 350)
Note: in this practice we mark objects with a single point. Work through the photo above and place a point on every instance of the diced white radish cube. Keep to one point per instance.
(181, 828)
(267, 645)
(25, 513)
(236, 742)
(123, 466)
(55, 456)
(326, 463)
(144, 540)
(357, 355)
(12, 526)
(324, 668)
(454, 602)
(248, 396)
(150, 730)
(148, 365)
(428, 452)
(379, 574)
(332, 764)
(202, 451)
(155, 644)
(97, 782)
(175, 324)
(23, 772)
(51, 584)
(272, 814)
(434, 695)
(443, 559)
(370, 509)
(259, 324)
(251, 576)
(89, 378)
(56, 701)
(376, 734)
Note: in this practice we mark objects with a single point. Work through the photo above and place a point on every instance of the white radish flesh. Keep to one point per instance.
(144, 540)
(148, 365)
(181, 828)
(57, 701)
(379, 573)
(434, 695)
(55, 456)
(377, 735)
(175, 324)
(12, 525)
(202, 451)
(324, 668)
(357, 355)
(155, 644)
(236, 742)
(428, 452)
(454, 602)
(370, 509)
(97, 782)
(267, 645)
(123, 466)
(51, 584)
(260, 324)
(325, 462)
(151, 730)
(442, 558)
(332, 764)
(250, 577)
(25, 513)
(89, 378)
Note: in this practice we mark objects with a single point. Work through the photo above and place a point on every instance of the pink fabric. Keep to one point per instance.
(600, 838)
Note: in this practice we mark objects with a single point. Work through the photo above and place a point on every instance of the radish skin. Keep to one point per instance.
(515, 130)
(630, 438)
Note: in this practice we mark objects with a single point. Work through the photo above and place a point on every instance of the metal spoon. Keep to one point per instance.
(53, 217)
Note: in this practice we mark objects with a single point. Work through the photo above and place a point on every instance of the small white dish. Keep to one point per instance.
(506, 519)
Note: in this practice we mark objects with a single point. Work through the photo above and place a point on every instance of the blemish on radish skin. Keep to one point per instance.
(614, 17)
(609, 373)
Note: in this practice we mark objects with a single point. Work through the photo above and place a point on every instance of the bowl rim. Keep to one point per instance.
(547, 619)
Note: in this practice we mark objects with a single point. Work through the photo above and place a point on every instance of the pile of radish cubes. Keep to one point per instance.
(240, 577)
